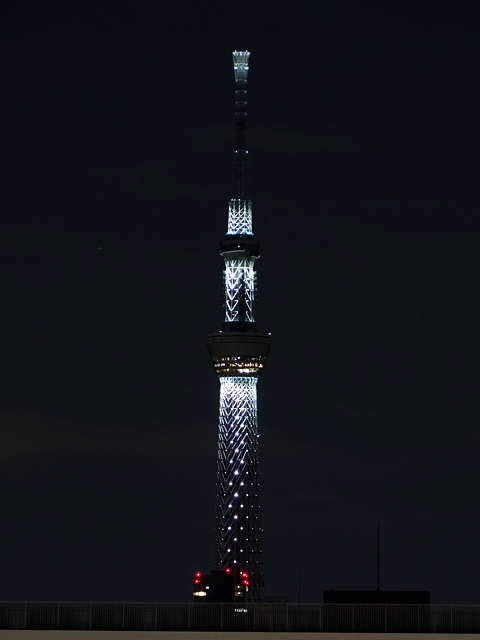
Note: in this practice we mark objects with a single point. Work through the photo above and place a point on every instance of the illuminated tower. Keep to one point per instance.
(239, 353)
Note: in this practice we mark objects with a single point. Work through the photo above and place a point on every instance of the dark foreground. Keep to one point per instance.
(151, 616)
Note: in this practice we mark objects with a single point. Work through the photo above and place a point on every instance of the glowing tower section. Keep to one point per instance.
(239, 353)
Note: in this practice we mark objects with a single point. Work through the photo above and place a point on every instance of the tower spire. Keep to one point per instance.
(239, 353)
(240, 69)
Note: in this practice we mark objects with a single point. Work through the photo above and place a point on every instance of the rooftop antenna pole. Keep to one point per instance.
(378, 557)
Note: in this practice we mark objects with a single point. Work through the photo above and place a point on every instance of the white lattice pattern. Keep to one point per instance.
(240, 64)
(239, 531)
(240, 218)
(239, 290)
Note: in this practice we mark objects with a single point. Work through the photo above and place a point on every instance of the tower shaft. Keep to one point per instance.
(238, 523)
(239, 353)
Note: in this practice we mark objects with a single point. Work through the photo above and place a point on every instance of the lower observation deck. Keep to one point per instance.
(238, 353)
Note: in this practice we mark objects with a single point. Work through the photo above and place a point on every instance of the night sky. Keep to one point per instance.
(116, 170)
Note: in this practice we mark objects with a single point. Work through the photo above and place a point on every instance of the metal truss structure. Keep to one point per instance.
(239, 290)
(239, 353)
(240, 64)
(240, 218)
(238, 522)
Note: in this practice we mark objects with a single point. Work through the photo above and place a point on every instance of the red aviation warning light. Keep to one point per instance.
(227, 570)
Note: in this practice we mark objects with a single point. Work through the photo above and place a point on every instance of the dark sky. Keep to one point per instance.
(116, 147)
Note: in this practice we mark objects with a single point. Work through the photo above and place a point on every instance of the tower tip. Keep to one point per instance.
(240, 64)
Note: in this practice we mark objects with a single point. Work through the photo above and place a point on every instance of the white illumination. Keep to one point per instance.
(238, 371)
(239, 290)
(240, 64)
(237, 449)
(239, 218)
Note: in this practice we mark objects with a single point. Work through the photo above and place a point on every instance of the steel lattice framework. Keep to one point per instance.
(239, 353)
(239, 290)
(239, 532)
(240, 218)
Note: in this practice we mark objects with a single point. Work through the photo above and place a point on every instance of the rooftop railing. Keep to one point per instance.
(151, 616)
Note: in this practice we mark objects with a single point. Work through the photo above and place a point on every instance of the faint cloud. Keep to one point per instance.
(295, 140)
(26, 434)
(284, 446)
(300, 141)
(353, 413)
(312, 497)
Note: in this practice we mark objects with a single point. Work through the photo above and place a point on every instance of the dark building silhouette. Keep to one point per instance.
(374, 611)
(332, 596)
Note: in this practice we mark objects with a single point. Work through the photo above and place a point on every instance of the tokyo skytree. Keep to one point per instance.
(239, 353)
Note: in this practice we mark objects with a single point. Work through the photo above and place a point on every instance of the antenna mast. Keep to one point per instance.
(240, 69)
